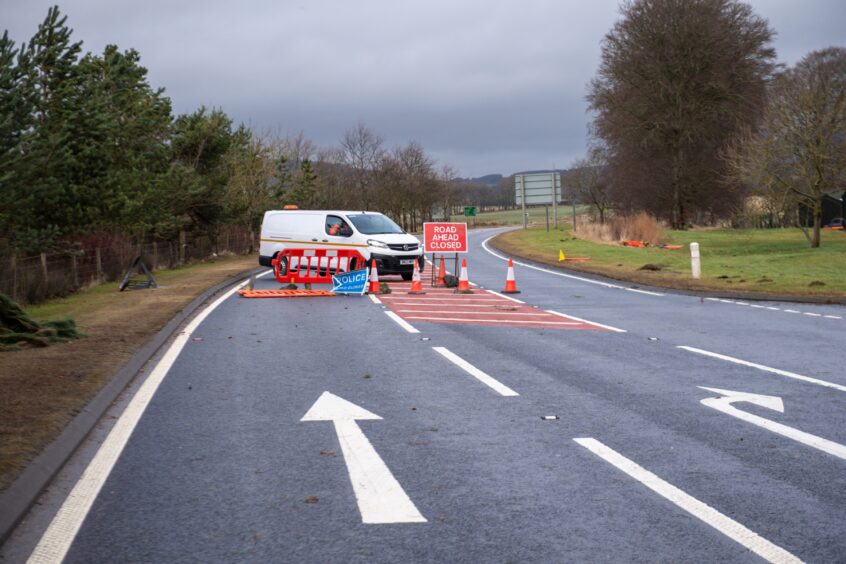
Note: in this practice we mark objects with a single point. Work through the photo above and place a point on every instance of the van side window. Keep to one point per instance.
(337, 227)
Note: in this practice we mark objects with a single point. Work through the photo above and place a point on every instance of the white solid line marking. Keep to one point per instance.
(401, 322)
(727, 301)
(450, 298)
(713, 299)
(506, 297)
(832, 317)
(741, 303)
(563, 275)
(57, 539)
(567, 316)
(647, 292)
(765, 368)
(702, 511)
(374, 299)
(523, 322)
(380, 497)
(415, 304)
(484, 378)
(542, 314)
(813, 314)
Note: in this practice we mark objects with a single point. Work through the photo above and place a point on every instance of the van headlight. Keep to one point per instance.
(375, 243)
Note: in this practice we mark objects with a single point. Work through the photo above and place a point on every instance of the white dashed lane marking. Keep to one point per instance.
(771, 308)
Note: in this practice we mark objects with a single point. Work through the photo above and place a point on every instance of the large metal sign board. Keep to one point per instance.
(445, 237)
(353, 282)
(537, 187)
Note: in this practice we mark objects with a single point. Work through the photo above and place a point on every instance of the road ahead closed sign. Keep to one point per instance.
(445, 237)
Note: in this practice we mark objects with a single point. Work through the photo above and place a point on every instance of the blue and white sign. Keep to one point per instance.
(354, 282)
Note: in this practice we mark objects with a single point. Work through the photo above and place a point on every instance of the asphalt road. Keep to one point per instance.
(602, 451)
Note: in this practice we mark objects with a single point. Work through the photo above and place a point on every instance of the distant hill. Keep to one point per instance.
(487, 180)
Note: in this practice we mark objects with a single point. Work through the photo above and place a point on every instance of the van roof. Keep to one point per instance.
(327, 211)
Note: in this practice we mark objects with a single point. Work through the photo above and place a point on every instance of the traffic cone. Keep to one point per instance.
(374, 278)
(510, 282)
(441, 274)
(416, 283)
(463, 281)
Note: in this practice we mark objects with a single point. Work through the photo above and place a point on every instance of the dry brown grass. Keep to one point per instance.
(637, 227)
(43, 388)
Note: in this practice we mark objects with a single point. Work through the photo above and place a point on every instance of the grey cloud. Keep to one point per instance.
(486, 87)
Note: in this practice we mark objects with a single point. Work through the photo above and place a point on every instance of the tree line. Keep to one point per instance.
(88, 146)
(693, 117)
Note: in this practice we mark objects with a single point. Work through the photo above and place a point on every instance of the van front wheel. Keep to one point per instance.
(407, 275)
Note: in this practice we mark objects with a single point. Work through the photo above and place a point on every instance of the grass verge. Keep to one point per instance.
(43, 388)
(743, 262)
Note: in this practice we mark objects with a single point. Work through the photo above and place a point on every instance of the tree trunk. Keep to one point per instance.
(815, 239)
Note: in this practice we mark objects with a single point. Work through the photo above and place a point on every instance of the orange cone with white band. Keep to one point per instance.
(463, 280)
(510, 282)
(441, 274)
(416, 283)
(374, 278)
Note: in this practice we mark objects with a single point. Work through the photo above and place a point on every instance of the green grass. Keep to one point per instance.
(91, 297)
(747, 260)
(537, 215)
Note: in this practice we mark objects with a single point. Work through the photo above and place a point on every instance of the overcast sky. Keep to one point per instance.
(484, 88)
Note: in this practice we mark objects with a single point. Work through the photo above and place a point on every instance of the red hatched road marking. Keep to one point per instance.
(443, 305)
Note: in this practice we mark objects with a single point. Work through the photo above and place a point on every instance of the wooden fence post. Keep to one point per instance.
(14, 277)
(75, 271)
(182, 244)
(44, 267)
(99, 265)
(155, 256)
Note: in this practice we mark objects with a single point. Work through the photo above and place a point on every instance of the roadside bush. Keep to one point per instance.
(637, 227)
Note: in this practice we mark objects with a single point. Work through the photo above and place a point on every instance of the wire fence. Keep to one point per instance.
(33, 279)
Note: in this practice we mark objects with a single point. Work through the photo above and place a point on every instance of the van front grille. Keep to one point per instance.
(405, 247)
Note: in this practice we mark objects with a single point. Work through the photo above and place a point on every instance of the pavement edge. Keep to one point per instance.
(21, 495)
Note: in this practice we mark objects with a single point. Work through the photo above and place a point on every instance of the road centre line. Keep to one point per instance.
(780, 372)
(57, 539)
(523, 322)
(484, 378)
(538, 313)
(401, 322)
(580, 278)
(702, 511)
(772, 308)
(415, 303)
(504, 296)
(567, 316)
(832, 317)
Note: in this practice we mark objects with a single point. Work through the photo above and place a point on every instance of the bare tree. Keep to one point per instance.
(361, 151)
(801, 147)
(676, 80)
(589, 177)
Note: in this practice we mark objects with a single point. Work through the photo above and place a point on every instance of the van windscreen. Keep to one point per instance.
(373, 223)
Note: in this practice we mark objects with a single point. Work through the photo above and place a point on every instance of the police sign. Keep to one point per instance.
(354, 282)
(445, 237)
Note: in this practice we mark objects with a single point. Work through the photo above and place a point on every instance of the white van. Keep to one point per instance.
(370, 233)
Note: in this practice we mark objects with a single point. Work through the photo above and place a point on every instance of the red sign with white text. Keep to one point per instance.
(445, 237)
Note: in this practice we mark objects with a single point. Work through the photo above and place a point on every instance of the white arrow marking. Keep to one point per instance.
(380, 497)
(728, 397)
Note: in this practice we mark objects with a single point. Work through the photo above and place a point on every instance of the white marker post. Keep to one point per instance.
(695, 269)
(380, 497)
